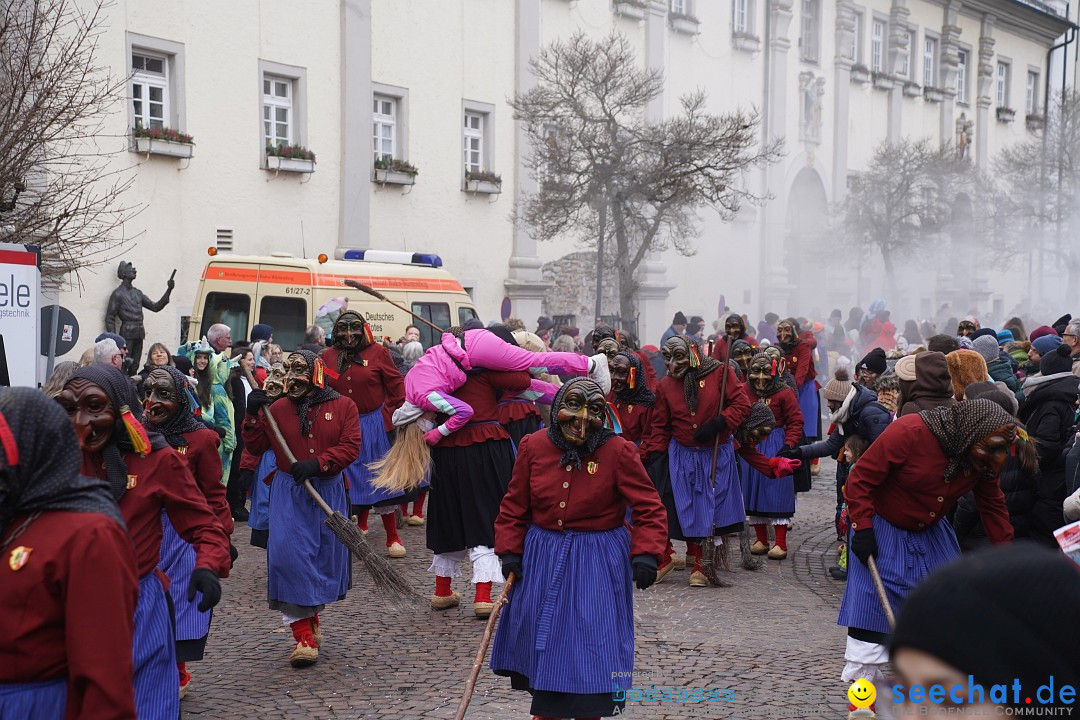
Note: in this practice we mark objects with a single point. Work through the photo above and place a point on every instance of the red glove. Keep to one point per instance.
(783, 466)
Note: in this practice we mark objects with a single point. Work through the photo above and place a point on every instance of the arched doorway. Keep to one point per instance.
(806, 223)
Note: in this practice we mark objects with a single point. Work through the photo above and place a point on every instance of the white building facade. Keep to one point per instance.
(425, 82)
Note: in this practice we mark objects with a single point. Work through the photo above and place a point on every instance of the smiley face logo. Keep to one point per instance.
(862, 693)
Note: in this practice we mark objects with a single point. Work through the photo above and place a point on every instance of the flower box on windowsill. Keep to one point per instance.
(284, 164)
(632, 9)
(483, 187)
(933, 94)
(912, 90)
(745, 41)
(685, 24)
(1006, 115)
(860, 74)
(153, 146)
(882, 81)
(392, 177)
(1034, 121)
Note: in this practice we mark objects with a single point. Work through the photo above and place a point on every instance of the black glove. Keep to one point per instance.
(864, 545)
(710, 430)
(790, 452)
(206, 582)
(304, 470)
(511, 563)
(257, 399)
(233, 554)
(644, 570)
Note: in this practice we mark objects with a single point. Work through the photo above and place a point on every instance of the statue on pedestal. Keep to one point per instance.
(124, 315)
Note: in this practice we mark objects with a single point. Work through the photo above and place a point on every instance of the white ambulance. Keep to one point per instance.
(285, 292)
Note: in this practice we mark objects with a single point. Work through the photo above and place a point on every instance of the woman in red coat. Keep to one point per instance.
(567, 636)
(67, 586)
(799, 356)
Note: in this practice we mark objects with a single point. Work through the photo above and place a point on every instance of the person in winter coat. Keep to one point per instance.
(997, 368)
(924, 382)
(871, 367)
(1048, 411)
(885, 338)
(1042, 345)
(965, 367)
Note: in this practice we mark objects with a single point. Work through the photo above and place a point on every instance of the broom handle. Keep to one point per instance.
(481, 652)
(433, 326)
(276, 432)
(883, 598)
(720, 412)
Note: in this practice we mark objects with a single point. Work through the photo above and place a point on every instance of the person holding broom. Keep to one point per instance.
(567, 635)
(306, 566)
(897, 495)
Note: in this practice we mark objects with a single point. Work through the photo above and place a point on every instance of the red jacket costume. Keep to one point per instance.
(719, 349)
(800, 361)
(481, 391)
(672, 418)
(334, 439)
(651, 381)
(908, 488)
(785, 409)
(634, 419)
(204, 461)
(79, 578)
(511, 410)
(557, 497)
(372, 382)
(161, 481)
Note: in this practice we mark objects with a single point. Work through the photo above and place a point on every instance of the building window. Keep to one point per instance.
(857, 50)
(929, 60)
(740, 16)
(961, 76)
(877, 46)
(1031, 99)
(149, 90)
(278, 119)
(474, 142)
(383, 127)
(1002, 78)
(680, 7)
(811, 21)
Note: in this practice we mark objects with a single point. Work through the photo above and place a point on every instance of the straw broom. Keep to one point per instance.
(481, 652)
(378, 295)
(386, 577)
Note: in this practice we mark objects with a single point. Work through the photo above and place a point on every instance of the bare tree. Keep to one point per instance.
(607, 174)
(902, 200)
(58, 188)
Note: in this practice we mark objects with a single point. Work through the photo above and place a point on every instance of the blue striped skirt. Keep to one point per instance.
(701, 507)
(177, 560)
(765, 496)
(45, 700)
(569, 625)
(810, 405)
(260, 493)
(157, 686)
(904, 558)
(373, 446)
(305, 563)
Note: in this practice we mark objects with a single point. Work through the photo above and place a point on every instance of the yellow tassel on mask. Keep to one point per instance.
(140, 441)
(317, 373)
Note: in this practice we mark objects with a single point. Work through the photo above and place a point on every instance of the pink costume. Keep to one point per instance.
(442, 370)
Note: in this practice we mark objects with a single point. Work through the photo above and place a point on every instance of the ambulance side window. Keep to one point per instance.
(232, 309)
(465, 314)
(438, 313)
(288, 317)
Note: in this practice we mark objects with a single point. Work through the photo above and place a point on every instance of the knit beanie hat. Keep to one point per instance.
(874, 361)
(1001, 615)
(986, 346)
(1040, 332)
(679, 318)
(984, 331)
(839, 387)
(905, 368)
(1005, 336)
(1057, 361)
(261, 331)
(1045, 344)
(965, 367)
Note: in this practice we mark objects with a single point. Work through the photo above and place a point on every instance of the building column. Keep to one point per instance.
(653, 290)
(950, 61)
(354, 215)
(776, 289)
(525, 285)
(898, 54)
(845, 51)
(984, 84)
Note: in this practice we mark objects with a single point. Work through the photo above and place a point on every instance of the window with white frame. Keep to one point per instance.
(149, 90)
(857, 50)
(278, 113)
(473, 135)
(1031, 98)
(961, 76)
(680, 7)
(930, 52)
(740, 16)
(383, 127)
(811, 30)
(1002, 82)
(877, 46)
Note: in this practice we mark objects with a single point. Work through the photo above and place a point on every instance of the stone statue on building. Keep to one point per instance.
(813, 91)
(964, 136)
(124, 315)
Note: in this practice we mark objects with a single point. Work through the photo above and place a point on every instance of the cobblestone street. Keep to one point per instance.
(771, 639)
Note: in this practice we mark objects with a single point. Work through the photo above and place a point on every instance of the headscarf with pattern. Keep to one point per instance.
(795, 340)
(320, 391)
(958, 427)
(640, 394)
(773, 367)
(184, 421)
(760, 414)
(572, 454)
(695, 374)
(39, 461)
(347, 356)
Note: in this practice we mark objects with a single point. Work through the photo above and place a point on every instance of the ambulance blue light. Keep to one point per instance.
(427, 259)
(394, 256)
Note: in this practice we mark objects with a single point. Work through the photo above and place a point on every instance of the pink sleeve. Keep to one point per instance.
(460, 412)
(489, 351)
